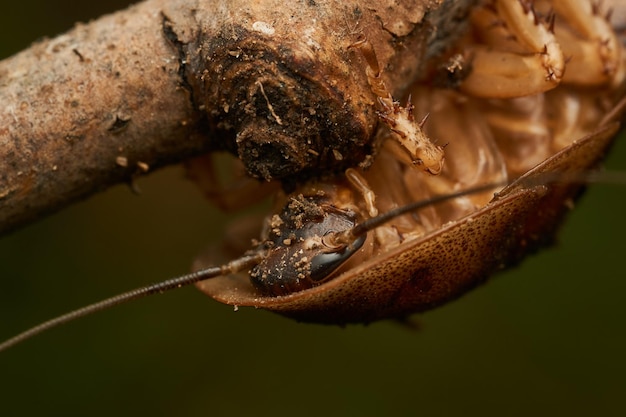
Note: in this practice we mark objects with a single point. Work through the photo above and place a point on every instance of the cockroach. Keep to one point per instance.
(511, 126)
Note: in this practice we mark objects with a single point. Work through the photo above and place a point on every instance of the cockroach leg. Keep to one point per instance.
(520, 54)
(359, 182)
(403, 128)
(526, 46)
(587, 37)
(233, 193)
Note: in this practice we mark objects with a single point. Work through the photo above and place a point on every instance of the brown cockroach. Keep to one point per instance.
(519, 128)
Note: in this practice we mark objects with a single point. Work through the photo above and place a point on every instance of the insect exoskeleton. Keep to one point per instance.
(533, 93)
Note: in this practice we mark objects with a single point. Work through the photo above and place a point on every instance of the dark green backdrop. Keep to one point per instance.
(545, 339)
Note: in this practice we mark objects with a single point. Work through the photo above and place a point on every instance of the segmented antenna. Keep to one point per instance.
(546, 178)
(232, 267)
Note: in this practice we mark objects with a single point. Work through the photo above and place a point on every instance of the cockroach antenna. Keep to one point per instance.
(349, 235)
(341, 239)
(231, 267)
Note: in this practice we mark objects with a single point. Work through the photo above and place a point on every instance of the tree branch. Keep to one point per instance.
(273, 82)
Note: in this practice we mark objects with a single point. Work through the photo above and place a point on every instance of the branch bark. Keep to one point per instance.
(273, 82)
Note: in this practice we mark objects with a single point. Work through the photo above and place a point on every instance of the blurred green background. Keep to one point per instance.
(544, 339)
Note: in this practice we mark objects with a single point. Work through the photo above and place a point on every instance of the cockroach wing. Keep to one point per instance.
(424, 273)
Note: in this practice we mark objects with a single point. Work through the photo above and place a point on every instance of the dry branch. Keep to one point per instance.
(273, 82)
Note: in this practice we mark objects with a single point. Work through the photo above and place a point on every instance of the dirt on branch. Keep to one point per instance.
(273, 82)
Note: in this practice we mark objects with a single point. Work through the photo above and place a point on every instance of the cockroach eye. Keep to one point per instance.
(302, 252)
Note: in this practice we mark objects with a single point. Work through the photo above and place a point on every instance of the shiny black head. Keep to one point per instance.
(302, 251)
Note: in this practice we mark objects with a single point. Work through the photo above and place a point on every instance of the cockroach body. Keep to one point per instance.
(519, 128)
